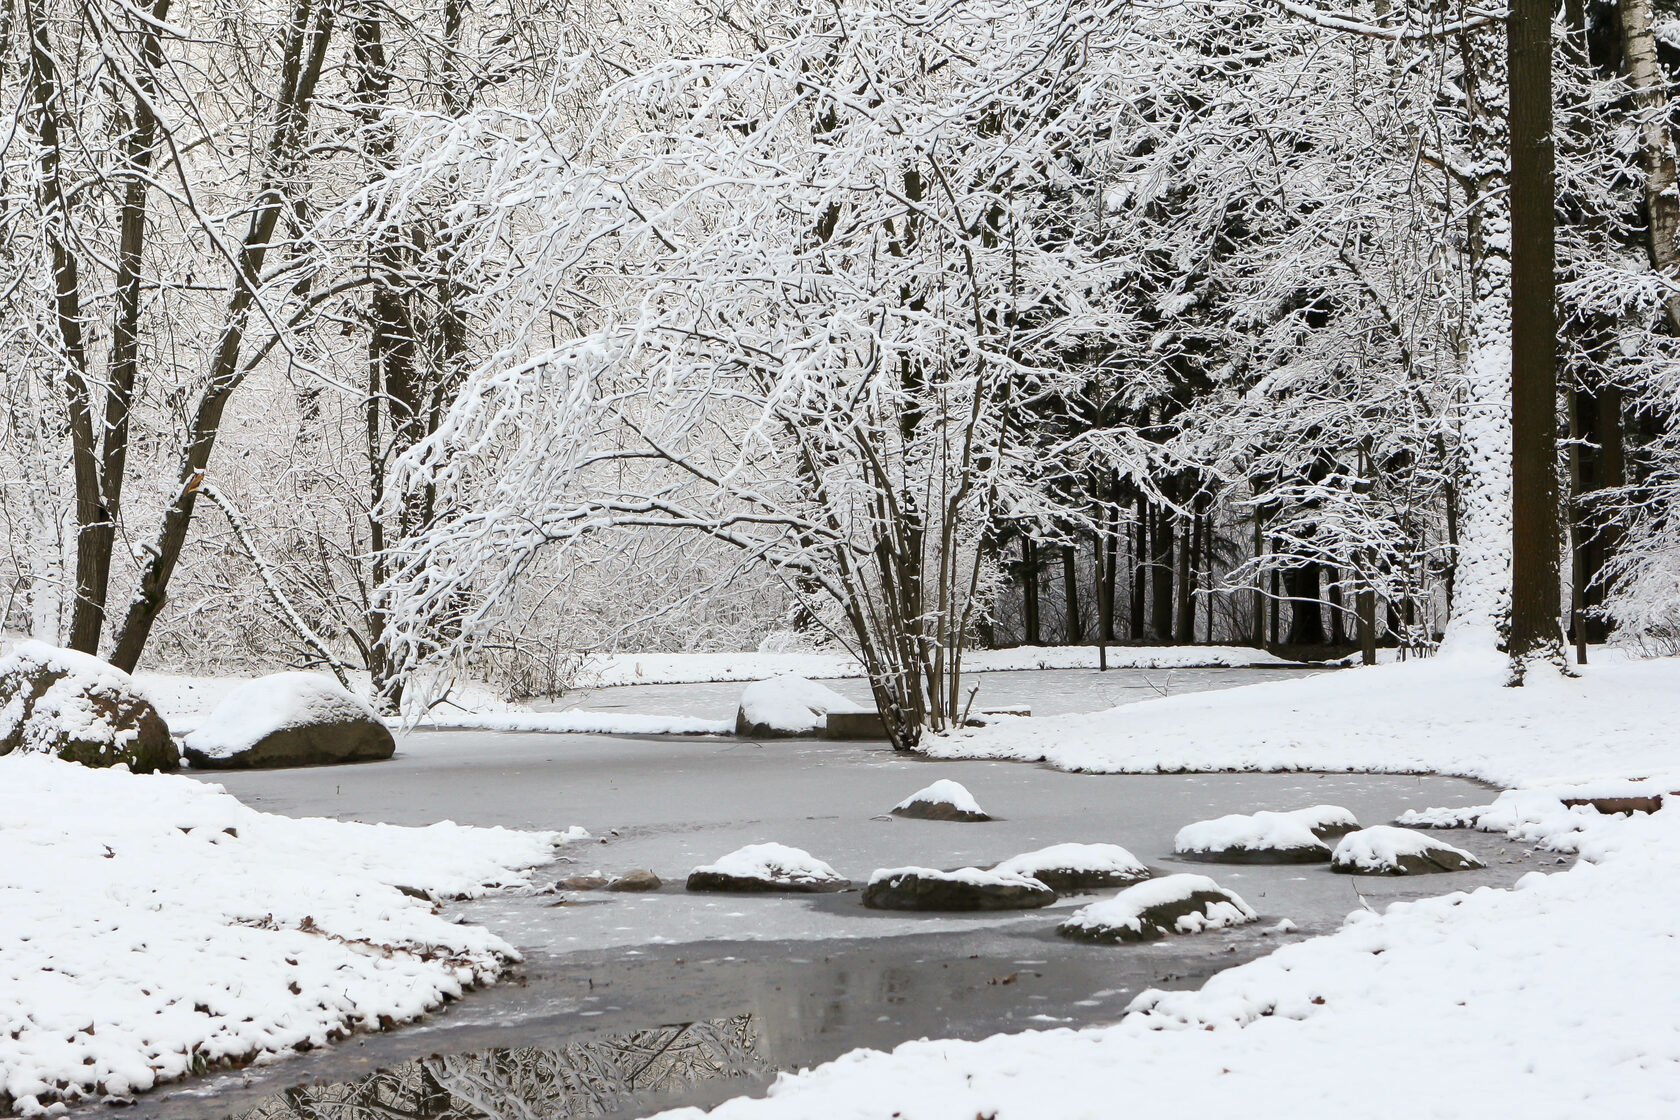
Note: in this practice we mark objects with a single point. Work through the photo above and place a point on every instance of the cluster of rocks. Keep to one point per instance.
(1304, 835)
(76, 707)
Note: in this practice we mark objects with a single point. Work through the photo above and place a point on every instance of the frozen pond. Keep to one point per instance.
(630, 1002)
(1048, 692)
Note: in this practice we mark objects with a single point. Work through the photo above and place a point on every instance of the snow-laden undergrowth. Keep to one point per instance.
(152, 926)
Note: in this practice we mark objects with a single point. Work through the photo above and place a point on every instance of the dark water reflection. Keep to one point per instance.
(598, 1077)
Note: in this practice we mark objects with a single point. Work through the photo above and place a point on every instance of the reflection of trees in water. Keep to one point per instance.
(533, 1083)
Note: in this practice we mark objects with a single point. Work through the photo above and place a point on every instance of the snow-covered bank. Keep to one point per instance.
(1529, 1002)
(152, 925)
(1448, 716)
(1542, 1001)
(578, 722)
(696, 668)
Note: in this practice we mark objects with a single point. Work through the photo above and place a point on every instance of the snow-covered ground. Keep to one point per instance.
(692, 668)
(152, 926)
(1549, 1000)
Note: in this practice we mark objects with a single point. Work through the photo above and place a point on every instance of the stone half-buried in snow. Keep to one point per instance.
(967, 888)
(289, 719)
(1150, 911)
(1078, 867)
(77, 707)
(767, 867)
(1265, 837)
(944, 800)
(1386, 850)
(785, 706)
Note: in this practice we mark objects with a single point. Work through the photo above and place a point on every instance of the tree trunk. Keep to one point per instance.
(302, 58)
(1306, 609)
(1648, 89)
(1140, 568)
(1160, 576)
(1029, 590)
(1535, 587)
(1070, 588)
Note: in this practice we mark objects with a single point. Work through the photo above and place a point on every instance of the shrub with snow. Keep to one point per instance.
(1386, 850)
(787, 705)
(1254, 838)
(944, 800)
(1077, 867)
(289, 719)
(76, 707)
(767, 867)
(1149, 911)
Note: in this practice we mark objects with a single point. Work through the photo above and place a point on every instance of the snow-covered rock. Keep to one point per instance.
(289, 719)
(967, 888)
(1149, 911)
(1077, 867)
(1262, 837)
(944, 800)
(786, 705)
(767, 867)
(76, 707)
(152, 926)
(1386, 850)
(1328, 822)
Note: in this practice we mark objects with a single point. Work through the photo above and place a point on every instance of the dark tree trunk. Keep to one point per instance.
(1184, 633)
(1162, 541)
(1306, 609)
(1029, 589)
(1140, 570)
(1338, 633)
(1070, 588)
(1535, 587)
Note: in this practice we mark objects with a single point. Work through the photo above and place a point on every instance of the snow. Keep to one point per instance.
(576, 722)
(1248, 831)
(693, 668)
(1094, 858)
(1542, 1001)
(943, 792)
(152, 924)
(791, 704)
(1125, 910)
(273, 703)
(777, 862)
(1380, 847)
(1446, 715)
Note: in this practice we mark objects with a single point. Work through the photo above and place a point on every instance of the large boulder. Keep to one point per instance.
(786, 706)
(1150, 911)
(944, 800)
(1254, 838)
(289, 719)
(1386, 850)
(767, 867)
(73, 705)
(967, 888)
(1078, 867)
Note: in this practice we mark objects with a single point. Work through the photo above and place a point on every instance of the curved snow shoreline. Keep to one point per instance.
(1461, 1005)
(154, 927)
